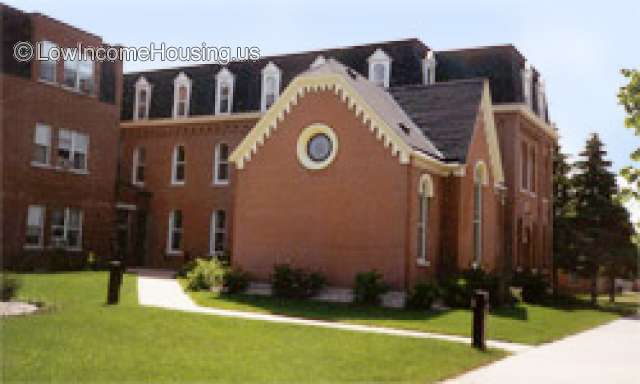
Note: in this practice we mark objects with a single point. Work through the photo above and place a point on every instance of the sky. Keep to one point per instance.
(578, 46)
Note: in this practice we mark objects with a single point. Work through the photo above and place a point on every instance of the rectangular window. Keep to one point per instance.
(35, 226)
(179, 163)
(174, 242)
(42, 141)
(48, 66)
(221, 164)
(524, 162)
(73, 148)
(423, 222)
(66, 228)
(225, 92)
(532, 170)
(182, 102)
(139, 159)
(79, 74)
(218, 232)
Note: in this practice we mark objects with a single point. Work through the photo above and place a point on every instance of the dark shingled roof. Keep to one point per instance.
(445, 112)
(406, 56)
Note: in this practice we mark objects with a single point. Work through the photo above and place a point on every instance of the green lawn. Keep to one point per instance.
(528, 324)
(79, 339)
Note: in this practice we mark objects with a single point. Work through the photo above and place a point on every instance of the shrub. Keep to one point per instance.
(458, 289)
(186, 268)
(423, 295)
(295, 282)
(10, 286)
(369, 286)
(236, 280)
(534, 286)
(207, 274)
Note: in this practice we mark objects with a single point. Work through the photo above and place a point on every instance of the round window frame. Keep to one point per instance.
(303, 143)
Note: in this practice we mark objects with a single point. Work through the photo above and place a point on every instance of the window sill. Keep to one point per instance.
(28, 247)
(174, 253)
(177, 183)
(79, 171)
(423, 263)
(76, 91)
(220, 183)
(36, 164)
(67, 249)
(138, 184)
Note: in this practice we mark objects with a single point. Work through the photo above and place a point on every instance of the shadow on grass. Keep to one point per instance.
(327, 310)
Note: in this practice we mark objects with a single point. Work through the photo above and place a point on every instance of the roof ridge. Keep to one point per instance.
(443, 83)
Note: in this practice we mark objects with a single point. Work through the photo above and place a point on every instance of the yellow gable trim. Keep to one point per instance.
(491, 135)
(312, 83)
(528, 114)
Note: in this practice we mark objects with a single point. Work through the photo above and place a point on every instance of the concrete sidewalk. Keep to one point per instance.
(156, 289)
(606, 354)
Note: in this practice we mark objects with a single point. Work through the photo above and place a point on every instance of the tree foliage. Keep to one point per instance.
(629, 98)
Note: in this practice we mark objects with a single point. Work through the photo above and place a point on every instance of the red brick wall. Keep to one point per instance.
(197, 198)
(523, 208)
(27, 102)
(348, 218)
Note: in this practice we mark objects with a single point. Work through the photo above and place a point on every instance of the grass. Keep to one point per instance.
(527, 324)
(79, 339)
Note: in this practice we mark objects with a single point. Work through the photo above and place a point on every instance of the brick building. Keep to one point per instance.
(460, 176)
(59, 147)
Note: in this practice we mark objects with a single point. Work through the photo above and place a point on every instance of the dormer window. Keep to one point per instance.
(181, 96)
(270, 86)
(224, 92)
(380, 68)
(542, 99)
(429, 69)
(527, 75)
(320, 60)
(142, 100)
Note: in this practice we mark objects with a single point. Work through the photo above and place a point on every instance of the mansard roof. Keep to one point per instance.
(406, 56)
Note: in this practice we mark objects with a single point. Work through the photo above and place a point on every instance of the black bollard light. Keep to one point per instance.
(115, 280)
(480, 303)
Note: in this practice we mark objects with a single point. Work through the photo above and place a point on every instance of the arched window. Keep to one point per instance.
(181, 95)
(379, 68)
(425, 192)
(178, 165)
(224, 92)
(174, 238)
(479, 181)
(218, 235)
(221, 164)
(429, 69)
(270, 85)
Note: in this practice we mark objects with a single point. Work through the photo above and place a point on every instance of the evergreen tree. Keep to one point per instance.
(564, 255)
(595, 186)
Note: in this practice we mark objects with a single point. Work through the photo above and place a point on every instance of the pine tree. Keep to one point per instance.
(595, 186)
(564, 255)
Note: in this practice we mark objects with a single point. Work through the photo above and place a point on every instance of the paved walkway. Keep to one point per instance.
(606, 354)
(157, 289)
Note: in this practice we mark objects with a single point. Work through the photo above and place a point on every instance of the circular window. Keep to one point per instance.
(317, 146)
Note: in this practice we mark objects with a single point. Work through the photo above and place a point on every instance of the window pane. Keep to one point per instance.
(73, 238)
(219, 242)
(47, 67)
(180, 172)
(85, 76)
(43, 134)
(223, 150)
(379, 73)
(180, 153)
(41, 154)
(177, 219)
(75, 220)
(70, 73)
(221, 219)
(176, 240)
(223, 171)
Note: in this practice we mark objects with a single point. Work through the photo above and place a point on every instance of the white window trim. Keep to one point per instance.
(136, 164)
(429, 69)
(527, 74)
(180, 81)
(141, 84)
(217, 162)
(270, 70)
(48, 145)
(320, 60)
(214, 231)
(380, 57)
(480, 179)
(425, 191)
(224, 76)
(43, 210)
(174, 165)
(171, 251)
